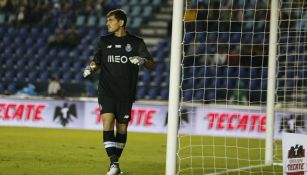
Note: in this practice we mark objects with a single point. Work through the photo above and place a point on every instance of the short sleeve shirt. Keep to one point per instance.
(118, 76)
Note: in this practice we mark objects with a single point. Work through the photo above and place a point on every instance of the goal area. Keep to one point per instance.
(237, 82)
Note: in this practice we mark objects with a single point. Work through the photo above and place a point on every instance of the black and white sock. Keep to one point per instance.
(110, 145)
(120, 143)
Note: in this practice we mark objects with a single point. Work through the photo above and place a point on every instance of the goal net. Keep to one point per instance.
(225, 48)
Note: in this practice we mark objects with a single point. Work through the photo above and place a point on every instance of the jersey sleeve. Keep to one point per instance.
(143, 52)
(98, 52)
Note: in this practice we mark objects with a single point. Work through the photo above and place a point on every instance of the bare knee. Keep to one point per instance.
(108, 121)
(121, 128)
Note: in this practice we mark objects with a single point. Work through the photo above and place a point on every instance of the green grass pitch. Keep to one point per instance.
(39, 151)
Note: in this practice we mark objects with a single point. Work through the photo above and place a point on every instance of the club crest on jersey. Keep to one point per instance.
(128, 48)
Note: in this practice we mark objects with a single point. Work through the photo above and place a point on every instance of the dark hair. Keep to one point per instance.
(119, 14)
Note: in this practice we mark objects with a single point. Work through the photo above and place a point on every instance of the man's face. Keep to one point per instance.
(113, 24)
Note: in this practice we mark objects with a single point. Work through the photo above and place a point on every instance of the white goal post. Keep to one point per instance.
(237, 82)
(270, 111)
(174, 88)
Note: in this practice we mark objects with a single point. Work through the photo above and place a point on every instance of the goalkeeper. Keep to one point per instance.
(119, 56)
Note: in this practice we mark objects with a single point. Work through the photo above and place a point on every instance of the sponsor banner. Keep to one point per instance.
(294, 154)
(202, 120)
(214, 121)
(291, 123)
(41, 113)
(149, 118)
(187, 121)
(230, 122)
(92, 118)
(144, 118)
(84, 115)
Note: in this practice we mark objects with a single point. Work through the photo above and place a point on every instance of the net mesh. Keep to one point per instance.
(224, 84)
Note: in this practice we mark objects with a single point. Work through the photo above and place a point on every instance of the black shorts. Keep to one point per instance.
(120, 108)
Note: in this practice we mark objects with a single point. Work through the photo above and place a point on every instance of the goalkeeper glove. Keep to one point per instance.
(89, 69)
(137, 60)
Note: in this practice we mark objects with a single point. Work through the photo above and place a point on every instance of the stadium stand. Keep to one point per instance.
(28, 55)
